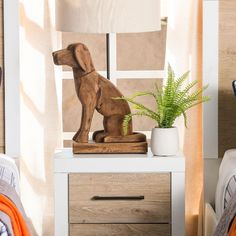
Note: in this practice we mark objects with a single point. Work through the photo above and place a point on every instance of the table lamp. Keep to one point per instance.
(108, 16)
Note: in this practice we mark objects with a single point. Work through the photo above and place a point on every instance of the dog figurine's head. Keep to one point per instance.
(76, 56)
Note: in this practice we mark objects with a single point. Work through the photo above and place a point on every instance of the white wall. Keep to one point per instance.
(11, 73)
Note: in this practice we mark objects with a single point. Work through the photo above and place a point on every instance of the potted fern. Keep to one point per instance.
(172, 101)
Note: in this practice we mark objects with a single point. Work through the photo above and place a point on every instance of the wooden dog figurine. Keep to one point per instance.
(96, 92)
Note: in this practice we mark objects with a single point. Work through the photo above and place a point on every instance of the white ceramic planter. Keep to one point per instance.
(165, 141)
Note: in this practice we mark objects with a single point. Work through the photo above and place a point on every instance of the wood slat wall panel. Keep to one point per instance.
(141, 51)
(96, 44)
(227, 73)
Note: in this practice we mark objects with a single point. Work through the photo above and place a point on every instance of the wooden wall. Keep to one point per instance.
(2, 145)
(227, 73)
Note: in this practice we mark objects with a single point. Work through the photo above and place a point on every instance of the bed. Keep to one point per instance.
(220, 193)
(13, 220)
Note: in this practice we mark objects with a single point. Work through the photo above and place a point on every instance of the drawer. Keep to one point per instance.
(119, 198)
(120, 230)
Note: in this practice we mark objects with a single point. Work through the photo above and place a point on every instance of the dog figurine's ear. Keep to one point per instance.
(83, 57)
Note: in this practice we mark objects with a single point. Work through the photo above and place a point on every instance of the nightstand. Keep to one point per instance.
(119, 194)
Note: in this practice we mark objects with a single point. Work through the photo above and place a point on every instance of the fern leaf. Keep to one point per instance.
(197, 92)
(126, 122)
(145, 93)
(172, 101)
(139, 106)
(128, 118)
(181, 79)
(168, 91)
(185, 91)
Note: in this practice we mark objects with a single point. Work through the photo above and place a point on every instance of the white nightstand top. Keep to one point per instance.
(67, 162)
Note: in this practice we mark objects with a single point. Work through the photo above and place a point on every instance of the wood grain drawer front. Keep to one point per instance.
(154, 208)
(119, 230)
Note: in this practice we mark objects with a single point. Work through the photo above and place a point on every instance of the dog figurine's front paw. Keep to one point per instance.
(80, 138)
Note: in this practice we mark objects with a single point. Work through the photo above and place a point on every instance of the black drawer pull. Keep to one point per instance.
(116, 198)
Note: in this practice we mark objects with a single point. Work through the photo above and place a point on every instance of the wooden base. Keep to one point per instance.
(92, 147)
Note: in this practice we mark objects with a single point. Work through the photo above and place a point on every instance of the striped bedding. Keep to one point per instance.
(10, 175)
(225, 200)
(3, 229)
(9, 171)
(230, 190)
(226, 185)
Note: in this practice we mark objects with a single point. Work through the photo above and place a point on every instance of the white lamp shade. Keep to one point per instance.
(108, 16)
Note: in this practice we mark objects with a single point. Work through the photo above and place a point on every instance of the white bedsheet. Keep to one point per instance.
(226, 171)
(9, 171)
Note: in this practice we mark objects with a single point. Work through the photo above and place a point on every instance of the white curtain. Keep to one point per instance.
(40, 111)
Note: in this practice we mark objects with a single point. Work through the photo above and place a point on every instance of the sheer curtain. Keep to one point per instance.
(40, 120)
(184, 52)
